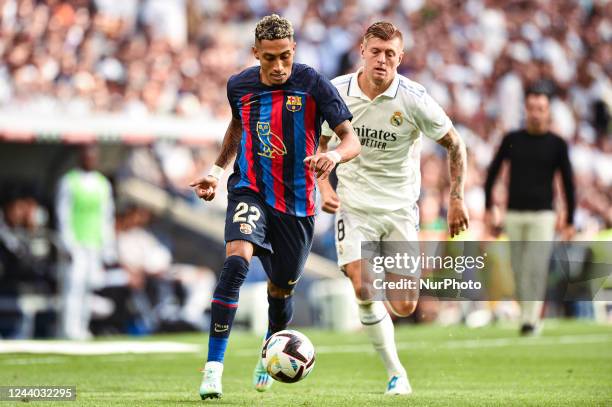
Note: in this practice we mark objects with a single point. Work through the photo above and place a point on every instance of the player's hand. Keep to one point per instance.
(330, 202)
(568, 232)
(457, 217)
(492, 221)
(205, 187)
(322, 164)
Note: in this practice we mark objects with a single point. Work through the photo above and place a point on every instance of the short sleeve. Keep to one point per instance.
(332, 107)
(231, 99)
(430, 118)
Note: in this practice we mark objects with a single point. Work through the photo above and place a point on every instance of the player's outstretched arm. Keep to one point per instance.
(205, 187)
(324, 162)
(457, 163)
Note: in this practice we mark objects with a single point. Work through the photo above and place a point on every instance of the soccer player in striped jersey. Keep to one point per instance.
(377, 193)
(278, 108)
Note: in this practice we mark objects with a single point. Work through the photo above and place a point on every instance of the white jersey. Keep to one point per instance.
(386, 175)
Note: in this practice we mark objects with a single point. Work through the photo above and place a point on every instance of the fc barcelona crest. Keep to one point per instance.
(294, 103)
(246, 229)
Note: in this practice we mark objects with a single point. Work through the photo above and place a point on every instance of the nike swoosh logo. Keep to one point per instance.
(221, 330)
(291, 282)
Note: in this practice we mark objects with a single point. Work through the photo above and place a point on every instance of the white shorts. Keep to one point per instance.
(354, 227)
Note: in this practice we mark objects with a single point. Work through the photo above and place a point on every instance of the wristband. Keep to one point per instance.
(216, 172)
(334, 155)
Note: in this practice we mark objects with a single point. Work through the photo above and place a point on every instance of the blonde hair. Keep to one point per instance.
(273, 27)
(383, 30)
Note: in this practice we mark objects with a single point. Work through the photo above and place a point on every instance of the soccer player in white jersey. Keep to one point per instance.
(377, 192)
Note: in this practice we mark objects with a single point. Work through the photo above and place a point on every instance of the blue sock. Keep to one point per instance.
(224, 306)
(280, 312)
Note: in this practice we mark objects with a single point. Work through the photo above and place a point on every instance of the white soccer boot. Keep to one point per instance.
(398, 385)
(211, 382)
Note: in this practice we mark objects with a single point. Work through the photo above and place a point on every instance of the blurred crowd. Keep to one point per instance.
(475, 57)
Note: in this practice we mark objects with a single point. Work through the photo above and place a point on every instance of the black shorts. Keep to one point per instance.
(282, 242)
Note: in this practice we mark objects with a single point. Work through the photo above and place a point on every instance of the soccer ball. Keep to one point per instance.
(288, 356)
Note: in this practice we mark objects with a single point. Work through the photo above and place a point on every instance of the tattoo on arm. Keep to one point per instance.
(457, 162)
(233, 134)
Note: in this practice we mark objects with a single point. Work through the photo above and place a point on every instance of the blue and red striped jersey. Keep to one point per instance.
(281, 126)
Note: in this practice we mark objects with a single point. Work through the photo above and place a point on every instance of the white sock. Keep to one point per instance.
(216, 366)
(377, 323)
(531, 312)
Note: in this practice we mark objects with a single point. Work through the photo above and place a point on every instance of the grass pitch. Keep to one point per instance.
(569, 365)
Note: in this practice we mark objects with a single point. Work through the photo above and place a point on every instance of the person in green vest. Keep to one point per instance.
(85, 213)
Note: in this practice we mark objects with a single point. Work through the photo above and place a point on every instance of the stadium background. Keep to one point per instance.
(146, 80)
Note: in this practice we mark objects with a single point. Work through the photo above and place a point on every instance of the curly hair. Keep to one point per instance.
(273, 27)
(383, 30)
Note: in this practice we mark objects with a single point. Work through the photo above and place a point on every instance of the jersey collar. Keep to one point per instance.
(355, 91)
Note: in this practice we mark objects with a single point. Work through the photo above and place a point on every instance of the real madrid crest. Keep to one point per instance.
(397, 119)
(294, 103)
